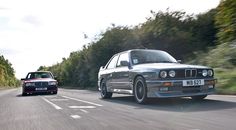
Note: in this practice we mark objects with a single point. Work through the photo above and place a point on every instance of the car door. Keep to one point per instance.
(121, 73)
(110, 69)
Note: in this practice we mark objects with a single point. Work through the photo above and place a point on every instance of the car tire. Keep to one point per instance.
(104, 93)
(140, 90)
(198, 98)
(24, 94)
(55, 92)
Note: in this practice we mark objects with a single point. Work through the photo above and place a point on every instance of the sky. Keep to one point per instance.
(42, 32)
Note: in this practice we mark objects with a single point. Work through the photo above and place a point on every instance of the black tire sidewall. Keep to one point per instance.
(144, 97)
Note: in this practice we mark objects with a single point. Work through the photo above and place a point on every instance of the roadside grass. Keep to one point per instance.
(226, 81)
(7, 87)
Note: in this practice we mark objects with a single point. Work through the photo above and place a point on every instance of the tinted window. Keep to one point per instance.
(36, 75)
(112, 63)
(123, 57)
(151, 56)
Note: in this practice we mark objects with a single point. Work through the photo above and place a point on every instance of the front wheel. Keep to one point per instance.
(140, 90)
(103, 91)
(200, 97)
(24, 94)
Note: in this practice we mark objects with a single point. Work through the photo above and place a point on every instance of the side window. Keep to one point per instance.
(112, 63)
(123, 57)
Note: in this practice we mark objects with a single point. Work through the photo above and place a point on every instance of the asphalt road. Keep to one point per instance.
(84, 110)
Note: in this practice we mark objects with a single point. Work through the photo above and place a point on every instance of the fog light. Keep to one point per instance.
(210, 82)
(163, 89)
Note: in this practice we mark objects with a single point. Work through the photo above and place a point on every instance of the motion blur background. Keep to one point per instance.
(204, 38)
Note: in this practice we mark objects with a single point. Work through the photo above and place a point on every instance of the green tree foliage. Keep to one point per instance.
(7, 77)
(226, 21)
(175, 32)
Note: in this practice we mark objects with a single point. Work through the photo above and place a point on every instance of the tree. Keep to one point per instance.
(225, 21)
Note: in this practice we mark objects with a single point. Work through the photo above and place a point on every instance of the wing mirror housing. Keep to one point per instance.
(101, 68)
(179, 61)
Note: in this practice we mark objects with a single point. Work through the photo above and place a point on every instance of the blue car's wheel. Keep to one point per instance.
(140, 90)
(104, 93)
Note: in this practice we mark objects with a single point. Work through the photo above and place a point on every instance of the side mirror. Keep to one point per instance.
(22, 79)
(101, 68)
(55, 77)
(179, 61)
(124, 63)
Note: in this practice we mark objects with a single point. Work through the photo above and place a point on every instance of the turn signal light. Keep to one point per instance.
(211, 82)
(167, 84)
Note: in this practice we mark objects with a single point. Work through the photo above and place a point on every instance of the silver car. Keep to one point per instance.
(154, 74)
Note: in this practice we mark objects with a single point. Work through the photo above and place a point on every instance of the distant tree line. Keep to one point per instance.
(7, 76)
(182, 35)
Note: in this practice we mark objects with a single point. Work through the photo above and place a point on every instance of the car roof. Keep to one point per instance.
(40, 71)
(137, 50)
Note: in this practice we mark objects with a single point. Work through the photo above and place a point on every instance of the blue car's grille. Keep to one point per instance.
(188, 73)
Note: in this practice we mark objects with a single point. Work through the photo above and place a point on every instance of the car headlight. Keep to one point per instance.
(210, 73)
(204, 73)
(172, 73)
(52, 83)
(163, 74)
(29, 84)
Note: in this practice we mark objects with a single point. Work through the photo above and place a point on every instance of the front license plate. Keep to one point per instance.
(195, 82)
(38, 89)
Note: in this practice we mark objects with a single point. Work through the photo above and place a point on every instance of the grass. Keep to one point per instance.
(226, 81)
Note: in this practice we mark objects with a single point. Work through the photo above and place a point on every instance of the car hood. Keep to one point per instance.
(167, 66)
(40, 80)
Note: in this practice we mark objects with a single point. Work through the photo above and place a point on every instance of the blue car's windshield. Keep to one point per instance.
(151, 56)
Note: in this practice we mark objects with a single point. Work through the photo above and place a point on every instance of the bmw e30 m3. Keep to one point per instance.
(39, 82)
(154, 74)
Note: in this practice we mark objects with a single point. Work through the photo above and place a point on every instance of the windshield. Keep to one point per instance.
(36, 75)
(151, 56)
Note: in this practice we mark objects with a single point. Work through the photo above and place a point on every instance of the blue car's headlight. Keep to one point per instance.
(172, 73)
(204, 73)
(210, 73)
(163, 74)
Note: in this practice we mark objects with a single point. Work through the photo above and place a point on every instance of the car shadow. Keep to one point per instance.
(175, 104)
(35, 94)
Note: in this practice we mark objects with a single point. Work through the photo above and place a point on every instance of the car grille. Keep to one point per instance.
(41, 84)
(188, 73)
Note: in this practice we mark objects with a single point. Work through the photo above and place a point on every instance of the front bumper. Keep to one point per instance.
(32, 89)
(176, 89)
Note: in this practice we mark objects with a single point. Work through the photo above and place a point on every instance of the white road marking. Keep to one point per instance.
(83, 101)
(75, 116)
(59, 99)
(54, 105)
(82, 107)
(83, 110)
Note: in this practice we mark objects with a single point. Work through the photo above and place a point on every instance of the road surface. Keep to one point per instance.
(84, 110)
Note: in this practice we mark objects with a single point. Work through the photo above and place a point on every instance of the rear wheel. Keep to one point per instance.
(104, 93)
(140, 90)
(201, 97)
